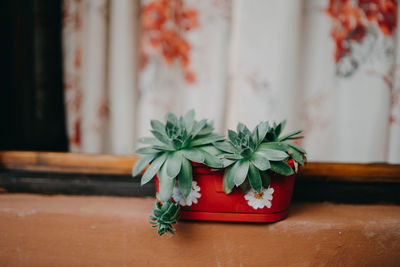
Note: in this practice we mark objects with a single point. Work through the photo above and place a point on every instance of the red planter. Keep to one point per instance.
(215, 205)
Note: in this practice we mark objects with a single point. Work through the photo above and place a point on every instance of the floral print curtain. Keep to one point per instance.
(328, 67)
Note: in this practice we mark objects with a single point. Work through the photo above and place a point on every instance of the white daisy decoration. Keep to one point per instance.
(193, 196)
(259, 200)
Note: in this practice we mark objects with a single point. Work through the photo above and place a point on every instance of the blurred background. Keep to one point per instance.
(88, 75)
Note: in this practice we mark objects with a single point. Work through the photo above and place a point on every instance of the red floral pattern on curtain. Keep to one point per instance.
(336, 74)
(389, 79)
(350, 20)
(163, 25)
(72, 22)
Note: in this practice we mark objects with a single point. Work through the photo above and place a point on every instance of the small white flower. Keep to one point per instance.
(193, 196)
(259, 200)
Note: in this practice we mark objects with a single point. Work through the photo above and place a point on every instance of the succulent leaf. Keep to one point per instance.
(281, 168)
(274, 155)
(240, 170)
(275, 146)
(207, 129)
(142, 163)
(198, 126)
(173, 164)
(185, 178)
(147, 150)
(207, 139)
(272, 137)
(210, 159)
(170, 117)
(279, 128)
(163, 138)
(262, 129)
(228, 181)
(153, 168)
(164, 147)
(290, 135)
(297, 156)
(232, 137)
(296, 147)
(157, 126)
(225, 146)
(232, 156)
(255, 178)
(193, 155)
(226, 162)
(265, 179)
(260, 161)
(166, 182)
(211, 150)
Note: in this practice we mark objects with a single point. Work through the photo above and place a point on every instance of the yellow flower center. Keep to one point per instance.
(259, 195)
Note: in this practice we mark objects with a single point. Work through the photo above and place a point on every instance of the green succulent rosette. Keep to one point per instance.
(250, 158)
(284, 143)
(164, 216)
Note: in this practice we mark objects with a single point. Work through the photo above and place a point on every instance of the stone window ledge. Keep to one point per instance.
(38, 230)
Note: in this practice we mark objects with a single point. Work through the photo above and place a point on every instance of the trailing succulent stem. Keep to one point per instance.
(164, 216)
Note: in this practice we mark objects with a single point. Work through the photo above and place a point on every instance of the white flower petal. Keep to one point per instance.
(257, 203)
(193, 196)
(268, 197)
(176, 195)
(252, 203)
(196, 195)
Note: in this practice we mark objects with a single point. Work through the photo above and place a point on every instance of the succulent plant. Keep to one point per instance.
(283, 143)
(164, 216)
(174, 146)
(248, 157)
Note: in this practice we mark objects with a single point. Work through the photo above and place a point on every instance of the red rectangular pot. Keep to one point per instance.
(215, 205)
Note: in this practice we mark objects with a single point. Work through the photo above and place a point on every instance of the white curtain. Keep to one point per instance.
(328, 67)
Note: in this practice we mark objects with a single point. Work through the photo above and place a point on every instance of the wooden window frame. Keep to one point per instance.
(104, 174)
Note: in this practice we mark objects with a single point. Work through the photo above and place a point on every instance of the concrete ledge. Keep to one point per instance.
(40, 230)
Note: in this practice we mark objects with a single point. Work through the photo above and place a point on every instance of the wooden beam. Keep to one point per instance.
(350, 172)
(58, 162)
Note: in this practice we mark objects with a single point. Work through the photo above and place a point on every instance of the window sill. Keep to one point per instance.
(94, 231)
